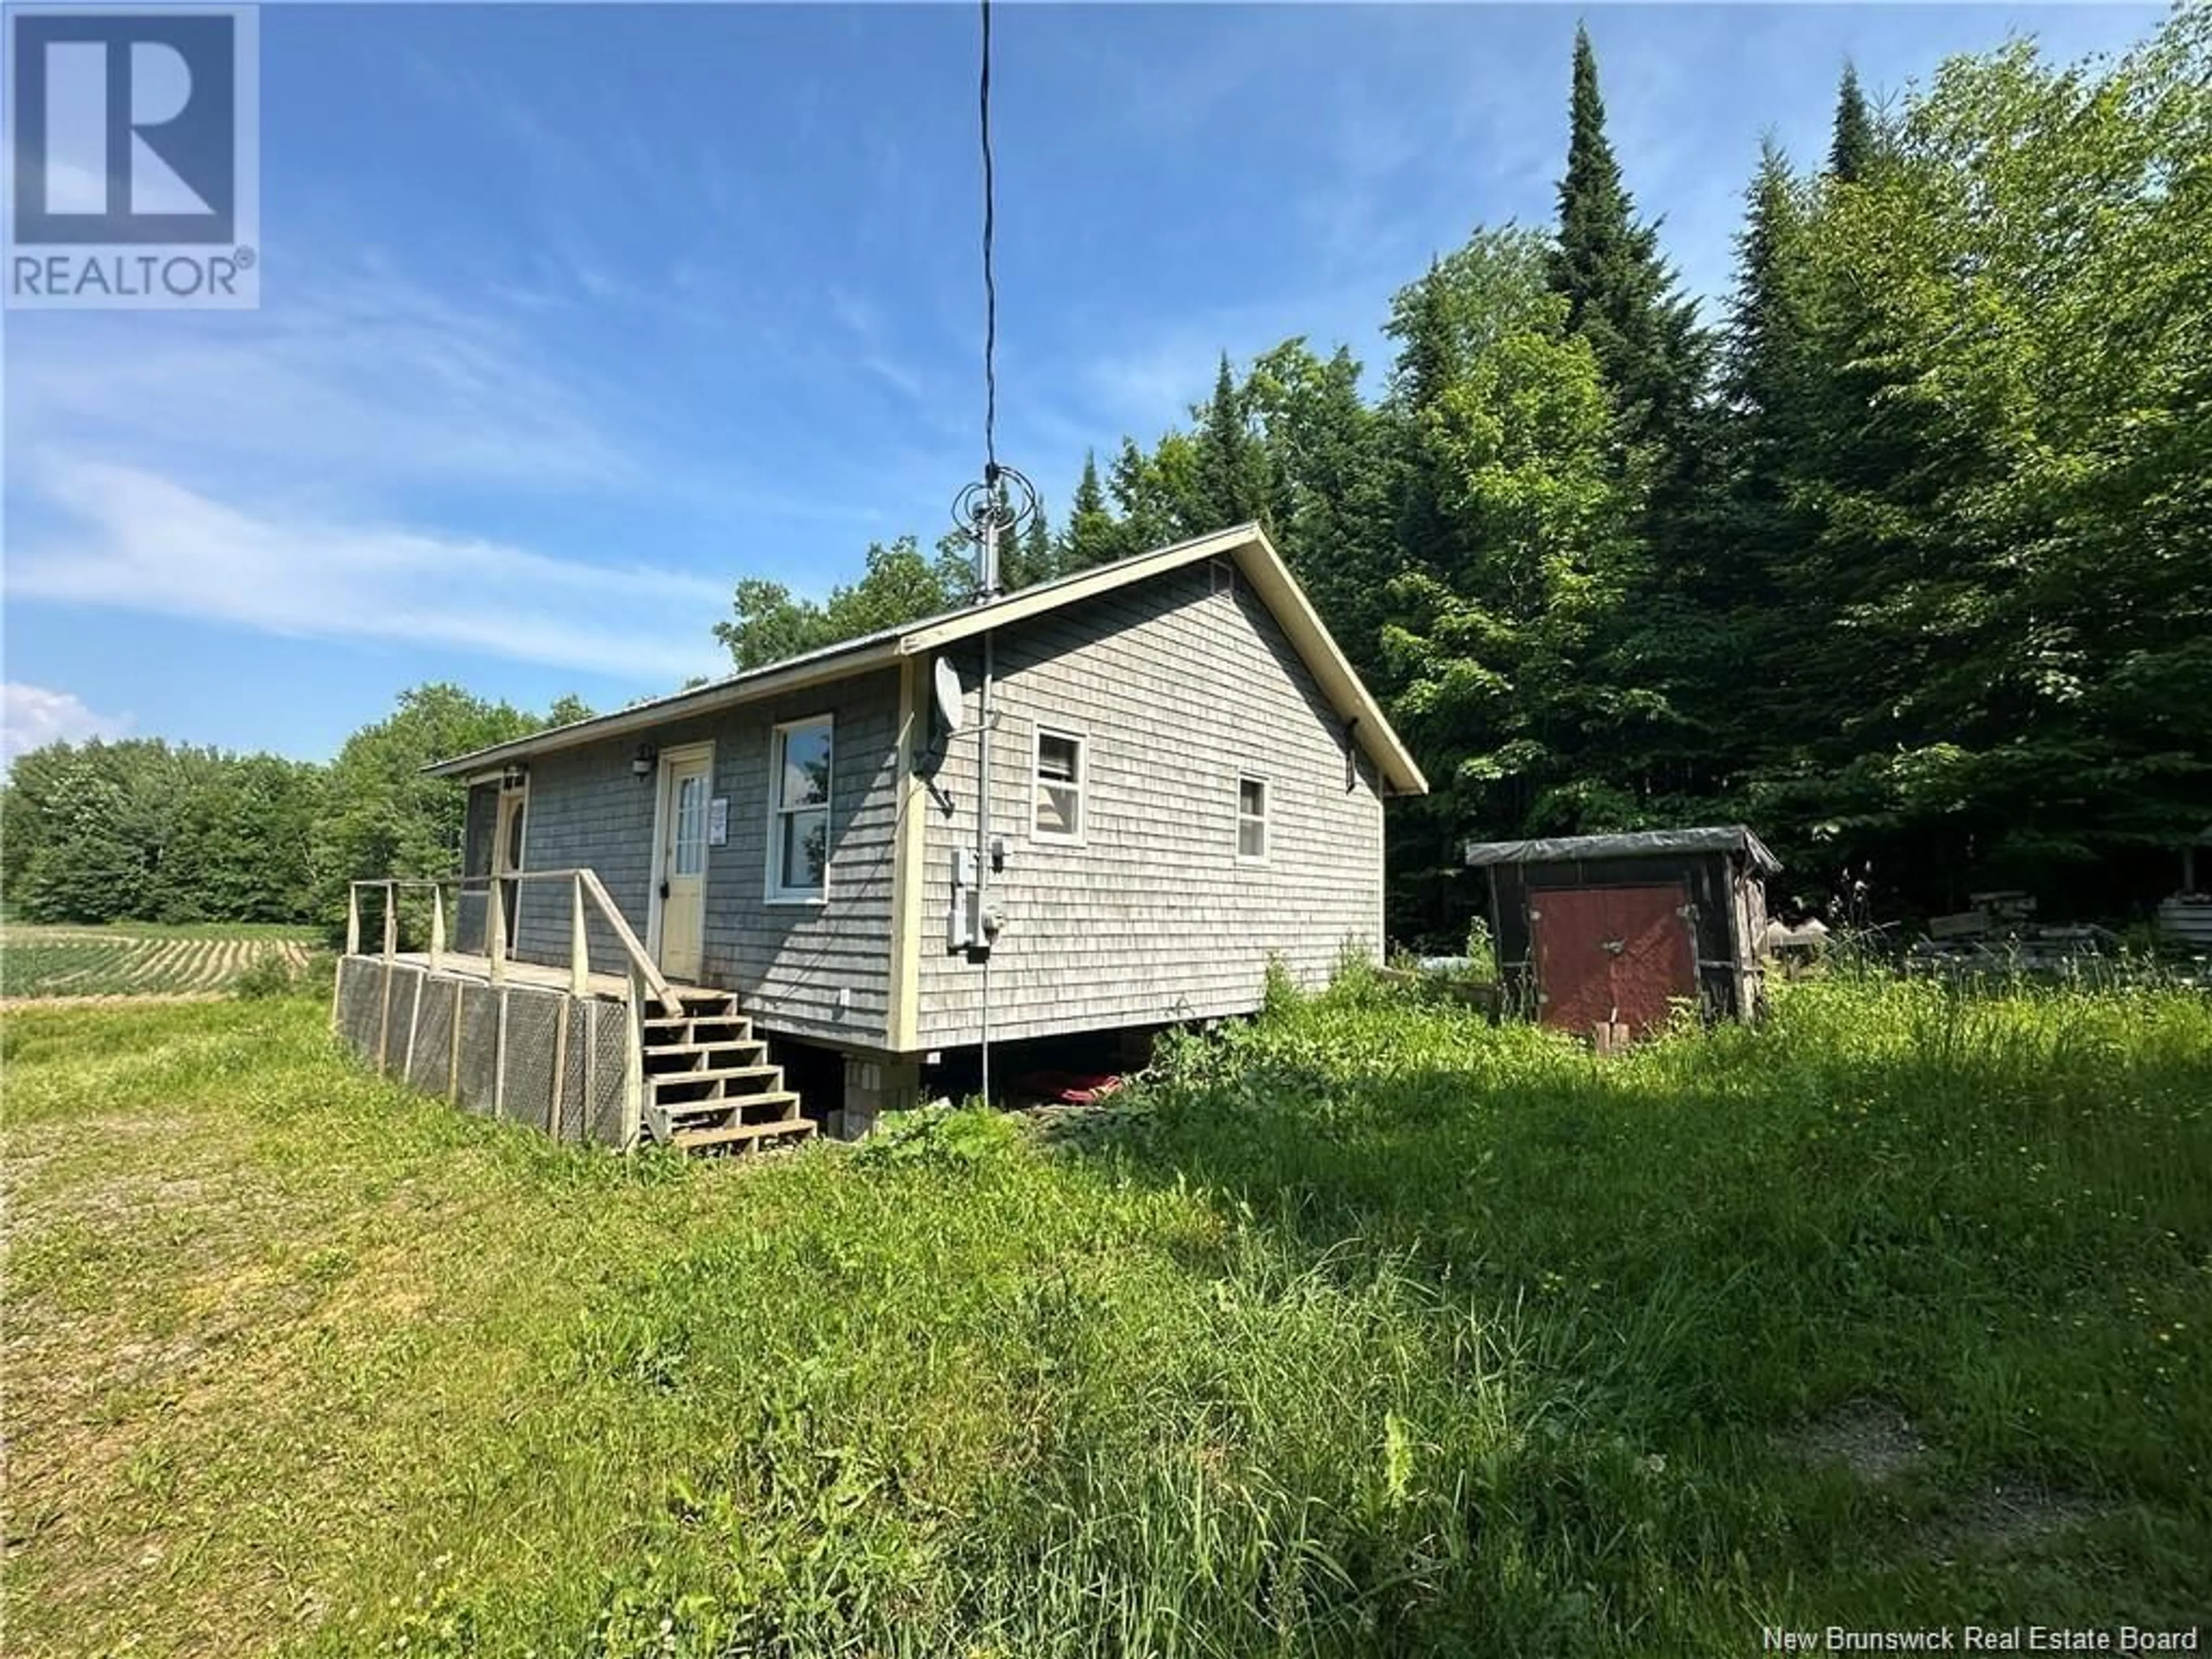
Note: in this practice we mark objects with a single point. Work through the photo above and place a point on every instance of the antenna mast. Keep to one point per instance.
(988, 514)
(998, 505)
(1004, 501)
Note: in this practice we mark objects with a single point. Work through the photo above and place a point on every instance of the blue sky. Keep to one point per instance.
(574, 315)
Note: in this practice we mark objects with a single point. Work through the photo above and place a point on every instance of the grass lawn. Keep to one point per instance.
(141, 958)
(1367, 1330)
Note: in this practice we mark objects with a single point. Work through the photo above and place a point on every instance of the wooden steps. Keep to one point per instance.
(685, 1051)
(709, 1085)
(739, 1134)
(670, 1080)
(735, 1027)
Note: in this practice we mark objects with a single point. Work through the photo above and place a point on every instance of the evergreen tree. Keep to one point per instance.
(1625, 300)
(1762, 359)
(1621, 296)
(1596, 233)
(1766, 395)
(1852, 150)
(1428, 344)
(1859, 463)
(1031, 560)
(1092, 537)
(1233, 486)
(1773, 403)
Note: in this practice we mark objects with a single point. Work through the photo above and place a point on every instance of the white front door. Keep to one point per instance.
(682, 859)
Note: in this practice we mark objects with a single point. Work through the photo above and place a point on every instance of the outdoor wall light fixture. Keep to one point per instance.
(642, 763)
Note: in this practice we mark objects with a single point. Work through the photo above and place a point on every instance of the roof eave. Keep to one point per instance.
(1256, 557)
(704, 700)
(1398, 773)
(1262, 565)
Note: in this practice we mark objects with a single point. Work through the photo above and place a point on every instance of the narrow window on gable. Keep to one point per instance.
(1058, 793)
(1252, 820)
(799, 811)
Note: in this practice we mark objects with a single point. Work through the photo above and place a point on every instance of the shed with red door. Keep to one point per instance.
(1607, 935)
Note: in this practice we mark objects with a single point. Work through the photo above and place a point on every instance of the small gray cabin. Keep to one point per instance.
(1185, 778)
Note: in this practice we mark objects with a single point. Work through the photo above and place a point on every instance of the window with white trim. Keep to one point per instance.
(1251, 819)
(690, 825)
(1057, 789)
(799, 811)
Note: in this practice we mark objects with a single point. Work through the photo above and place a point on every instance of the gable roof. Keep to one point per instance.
(1256, 560)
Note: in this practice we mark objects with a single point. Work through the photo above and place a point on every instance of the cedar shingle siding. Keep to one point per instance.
(787, 963)
(1178, 690)
(1179, 684)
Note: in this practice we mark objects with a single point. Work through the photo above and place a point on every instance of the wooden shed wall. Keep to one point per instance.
(1177, 686)
(1726, 965)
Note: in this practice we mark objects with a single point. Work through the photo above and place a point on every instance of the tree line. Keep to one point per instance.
(141, 831)
(1901, 558)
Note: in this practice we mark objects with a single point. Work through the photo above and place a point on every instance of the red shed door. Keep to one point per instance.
(1611, 954)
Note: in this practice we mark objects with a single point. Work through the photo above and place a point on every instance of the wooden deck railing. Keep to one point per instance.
(586, 893)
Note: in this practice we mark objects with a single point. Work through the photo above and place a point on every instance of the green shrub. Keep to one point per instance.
(944, 1135)
(1481, 951)
(269, 974)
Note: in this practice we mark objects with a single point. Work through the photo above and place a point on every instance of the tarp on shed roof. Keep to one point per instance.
(1628, 844)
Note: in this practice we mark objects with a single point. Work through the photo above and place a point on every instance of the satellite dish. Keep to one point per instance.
(949, 695)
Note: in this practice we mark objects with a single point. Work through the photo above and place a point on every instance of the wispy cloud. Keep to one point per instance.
(1154, 377)
(868, 341)
(375, 460)
(33, 716)
(854, 315)
(372, 381)
(1153, 372)
(132, 540)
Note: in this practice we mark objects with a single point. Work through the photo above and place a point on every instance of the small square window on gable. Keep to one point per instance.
(1251, 819)
(1224, 574)
(1057, 793)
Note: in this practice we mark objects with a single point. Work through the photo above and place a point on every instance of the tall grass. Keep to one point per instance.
(1372, 1329)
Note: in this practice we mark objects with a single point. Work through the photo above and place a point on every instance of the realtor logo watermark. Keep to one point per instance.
(133, 176)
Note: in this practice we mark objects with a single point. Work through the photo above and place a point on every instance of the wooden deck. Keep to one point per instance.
(685, 1069)
(459, 964)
